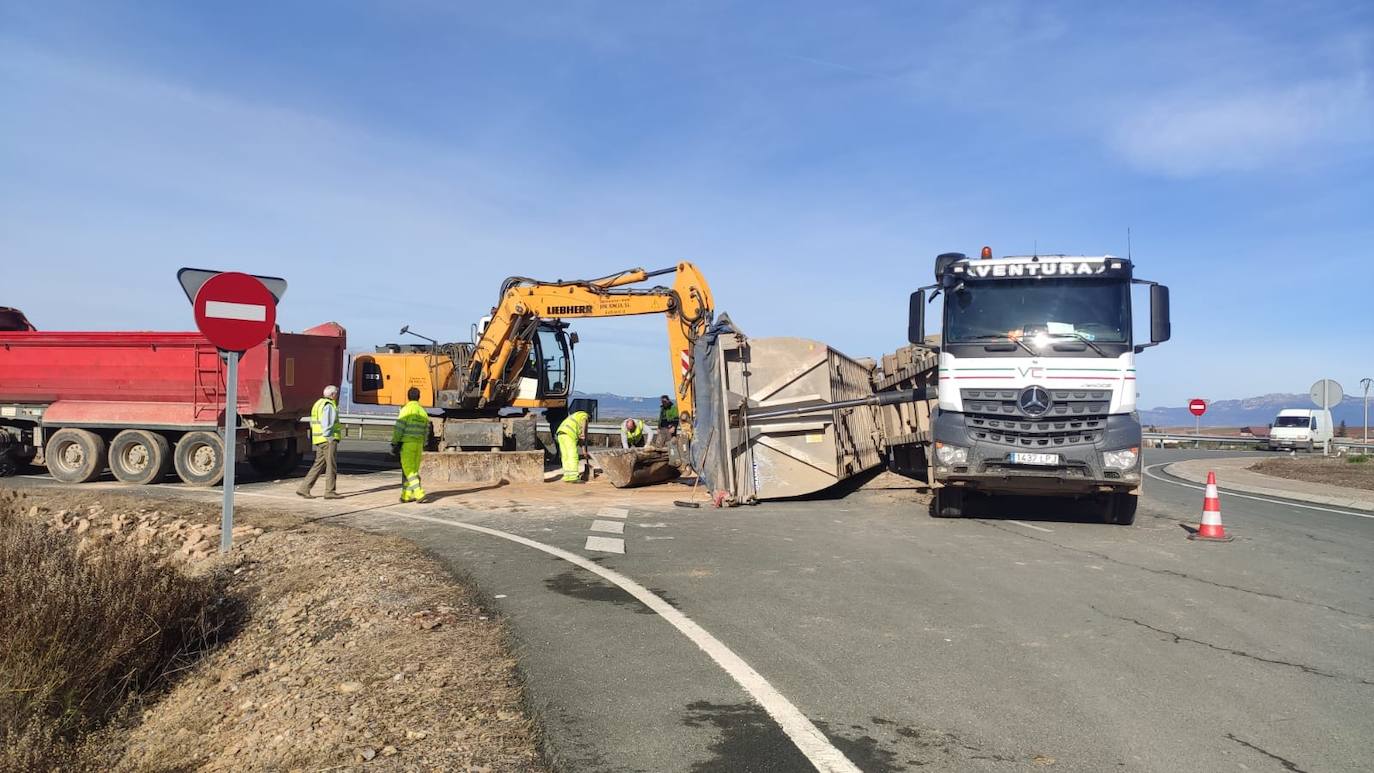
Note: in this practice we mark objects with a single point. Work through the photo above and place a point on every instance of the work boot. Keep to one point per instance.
(332, 495)
(304, 494)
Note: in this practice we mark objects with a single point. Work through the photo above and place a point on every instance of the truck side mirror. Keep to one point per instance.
(916, 321)
(1160, 328)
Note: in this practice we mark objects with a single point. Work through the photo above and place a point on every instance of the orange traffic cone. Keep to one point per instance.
(1211, 529)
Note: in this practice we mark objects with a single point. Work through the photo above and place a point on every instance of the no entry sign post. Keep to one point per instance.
(1197, 406)
(236, 312)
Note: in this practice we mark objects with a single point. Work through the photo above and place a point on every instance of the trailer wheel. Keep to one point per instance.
(277, 464)
(199, 459)
(1121, 509)
(75, 455)
(139, 457)
(949, 503)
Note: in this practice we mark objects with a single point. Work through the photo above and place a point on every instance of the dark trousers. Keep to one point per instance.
(326, 462)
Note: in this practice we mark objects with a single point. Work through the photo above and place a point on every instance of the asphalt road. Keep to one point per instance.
(1029, 639)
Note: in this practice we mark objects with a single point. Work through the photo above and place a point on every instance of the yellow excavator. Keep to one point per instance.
(520, 357)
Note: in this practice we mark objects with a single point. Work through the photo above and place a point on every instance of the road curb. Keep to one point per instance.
(1178, 470)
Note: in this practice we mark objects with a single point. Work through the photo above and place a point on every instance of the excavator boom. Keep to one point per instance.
(504, 345)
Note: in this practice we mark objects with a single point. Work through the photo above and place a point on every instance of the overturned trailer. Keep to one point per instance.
(785, 417)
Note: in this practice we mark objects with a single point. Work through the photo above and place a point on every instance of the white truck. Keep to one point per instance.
(1036, 379)
(1305, 428)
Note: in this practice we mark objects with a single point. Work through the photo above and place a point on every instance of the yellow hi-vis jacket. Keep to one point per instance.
(574, 425)
(412, 424)
(635, 433)
(319, 433)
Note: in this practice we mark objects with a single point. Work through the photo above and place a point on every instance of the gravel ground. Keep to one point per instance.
(1335, 471)
(352, 651)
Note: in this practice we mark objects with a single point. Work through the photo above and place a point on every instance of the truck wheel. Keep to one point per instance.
(139, 457)
(277, 464)
(1121, 509)
(75, 455)
(200, 459)
(949, 503)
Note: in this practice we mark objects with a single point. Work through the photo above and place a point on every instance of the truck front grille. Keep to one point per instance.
(1075, 416)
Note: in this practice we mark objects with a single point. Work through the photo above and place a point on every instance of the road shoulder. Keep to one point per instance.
(1232, 473)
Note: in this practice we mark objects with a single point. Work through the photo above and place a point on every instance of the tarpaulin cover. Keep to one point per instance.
(710, 440)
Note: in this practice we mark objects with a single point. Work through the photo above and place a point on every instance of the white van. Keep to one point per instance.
(1305, 428)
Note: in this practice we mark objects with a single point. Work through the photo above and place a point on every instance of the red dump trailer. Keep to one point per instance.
(141, 403)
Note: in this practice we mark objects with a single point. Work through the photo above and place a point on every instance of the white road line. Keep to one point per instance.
(610, 527)
(807, 737)
(1280, 502)
(606, 544)
(248, 312)
(612, 512)
(1028, 526)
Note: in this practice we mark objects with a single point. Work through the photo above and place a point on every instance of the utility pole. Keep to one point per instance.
(1366, 383)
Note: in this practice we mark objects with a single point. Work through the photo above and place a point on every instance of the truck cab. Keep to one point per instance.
(1305, 428)
(1037, 378)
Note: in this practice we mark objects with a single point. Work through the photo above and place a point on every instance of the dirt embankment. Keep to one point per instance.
(1334, 471)
(349, 651)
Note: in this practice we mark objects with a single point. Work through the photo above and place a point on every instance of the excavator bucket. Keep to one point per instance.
(767, 424)
(636, 466)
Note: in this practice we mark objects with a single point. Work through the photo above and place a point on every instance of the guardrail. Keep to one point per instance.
(1156, 438)
(356, 424)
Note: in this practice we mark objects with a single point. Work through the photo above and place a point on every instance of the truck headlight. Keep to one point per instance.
(1120, 460)
(947, 454)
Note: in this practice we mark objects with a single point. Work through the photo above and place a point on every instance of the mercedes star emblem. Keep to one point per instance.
(1034, 401)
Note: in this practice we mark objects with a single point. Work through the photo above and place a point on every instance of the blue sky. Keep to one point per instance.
(396, 160)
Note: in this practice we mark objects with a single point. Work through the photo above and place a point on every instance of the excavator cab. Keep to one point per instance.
(547, 377)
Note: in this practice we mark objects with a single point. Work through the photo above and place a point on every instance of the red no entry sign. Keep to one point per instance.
(1197, 406)
(235, 311)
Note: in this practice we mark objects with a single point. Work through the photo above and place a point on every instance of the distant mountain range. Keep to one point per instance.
(609, 406)
(1252, 412)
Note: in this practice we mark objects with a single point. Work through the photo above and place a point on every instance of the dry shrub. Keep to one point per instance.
(87, 632)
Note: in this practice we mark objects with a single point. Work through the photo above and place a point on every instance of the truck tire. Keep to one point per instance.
(75, 455)
(199, 459)
(949, 503)
(139, 457)
(276, 464)
(1121, 509)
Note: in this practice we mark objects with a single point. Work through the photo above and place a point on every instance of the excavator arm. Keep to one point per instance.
(505, 343)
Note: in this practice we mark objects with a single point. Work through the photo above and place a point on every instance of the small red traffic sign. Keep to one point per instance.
(235, 311)
(1197, 406)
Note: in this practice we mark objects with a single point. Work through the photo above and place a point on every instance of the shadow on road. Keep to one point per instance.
(1024, 508)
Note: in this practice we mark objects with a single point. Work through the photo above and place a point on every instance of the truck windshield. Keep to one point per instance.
(1096, 310)
(1291, 421)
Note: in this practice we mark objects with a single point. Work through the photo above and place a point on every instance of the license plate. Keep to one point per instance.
(1041, 459)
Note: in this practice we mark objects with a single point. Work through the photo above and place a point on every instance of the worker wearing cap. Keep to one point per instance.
(632, 434)
(572, 435)
(667, 416)
(408, 444)
(325, 432)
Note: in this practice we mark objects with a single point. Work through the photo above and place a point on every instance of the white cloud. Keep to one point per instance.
(1188, 135)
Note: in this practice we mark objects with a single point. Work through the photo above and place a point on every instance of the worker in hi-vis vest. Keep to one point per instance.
(325, 432)
(632, 434)
(408, 444)
(572, 435)
(667, 416)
